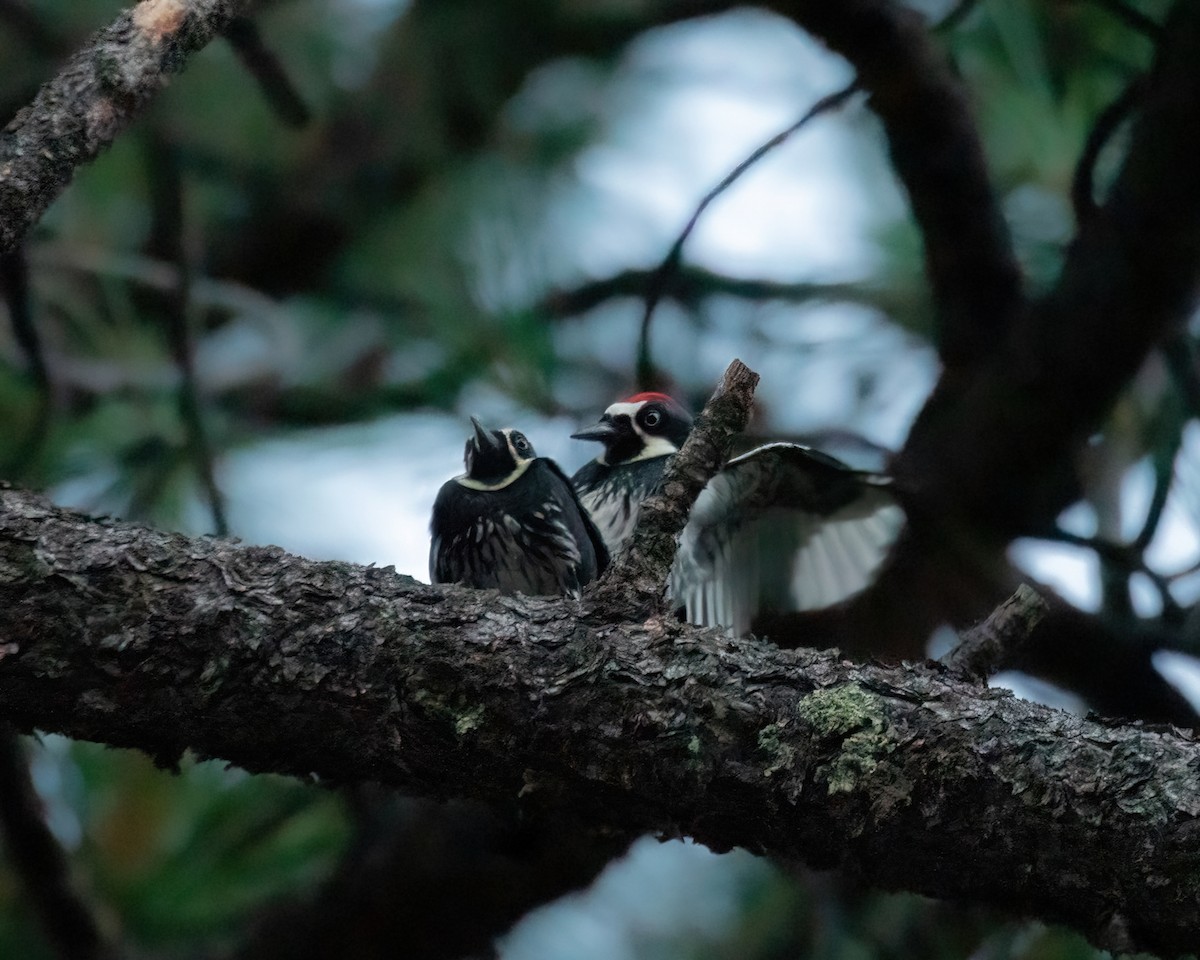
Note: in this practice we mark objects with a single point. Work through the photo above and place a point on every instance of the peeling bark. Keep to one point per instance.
(904, 777)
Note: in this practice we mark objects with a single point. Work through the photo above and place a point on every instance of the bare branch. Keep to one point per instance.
(690, 285)
(902, 777)
(1108, 121)
(991, 646)
(166, 242)
(246, 39)
(99, 92)
(661, 276)
(639, 574)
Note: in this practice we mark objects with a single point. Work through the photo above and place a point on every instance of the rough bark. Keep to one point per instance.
(100, 90)
(993, 645)
(637, 579)
(905, 777)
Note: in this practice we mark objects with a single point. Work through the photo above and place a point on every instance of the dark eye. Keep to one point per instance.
(653, 418)
(520, 443)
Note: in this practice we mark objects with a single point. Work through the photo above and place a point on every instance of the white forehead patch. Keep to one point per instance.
(629, 409)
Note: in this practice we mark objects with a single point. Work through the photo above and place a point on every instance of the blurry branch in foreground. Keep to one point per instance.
(904, 777)
(97, 94)
(66, 918)
(277, 87)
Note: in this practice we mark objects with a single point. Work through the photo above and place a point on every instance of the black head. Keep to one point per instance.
(494, 458)
(643, 426)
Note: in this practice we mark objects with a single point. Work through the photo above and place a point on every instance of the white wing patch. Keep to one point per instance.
(759, 539)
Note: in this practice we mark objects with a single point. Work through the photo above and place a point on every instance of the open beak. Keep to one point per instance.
(602, 431)
(483, 439)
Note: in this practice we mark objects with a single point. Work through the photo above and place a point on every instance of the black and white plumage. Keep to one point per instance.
(781, 528)
(638, 434)
(512, 522)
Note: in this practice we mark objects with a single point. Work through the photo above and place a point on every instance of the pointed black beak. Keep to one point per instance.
(483, 439)
(603, 431)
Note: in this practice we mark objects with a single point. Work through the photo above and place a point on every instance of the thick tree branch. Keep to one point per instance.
(937, 154)
(903, 777)
(1129, 277)
(639, 574)
(100, 90)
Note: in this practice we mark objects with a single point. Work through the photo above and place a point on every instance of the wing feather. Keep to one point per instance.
(782, 528)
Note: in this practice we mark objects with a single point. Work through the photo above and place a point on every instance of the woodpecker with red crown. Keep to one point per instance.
(512, 522)
(781, 528)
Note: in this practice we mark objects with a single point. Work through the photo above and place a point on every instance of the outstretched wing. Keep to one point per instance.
(782, 528)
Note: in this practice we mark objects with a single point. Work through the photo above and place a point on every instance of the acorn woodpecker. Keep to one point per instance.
(781, 528)
(512, 522)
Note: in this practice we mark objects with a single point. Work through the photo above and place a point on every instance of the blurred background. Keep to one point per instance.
(268, 310)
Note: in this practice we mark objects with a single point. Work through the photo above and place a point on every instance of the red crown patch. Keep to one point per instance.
(640, 397)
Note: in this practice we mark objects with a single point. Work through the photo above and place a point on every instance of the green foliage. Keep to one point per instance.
(396, 255)
(180, 859)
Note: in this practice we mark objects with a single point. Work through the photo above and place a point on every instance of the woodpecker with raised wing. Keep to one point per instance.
(781, 528)
(512, 522)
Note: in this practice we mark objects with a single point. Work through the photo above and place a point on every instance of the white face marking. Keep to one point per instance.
(651, 446)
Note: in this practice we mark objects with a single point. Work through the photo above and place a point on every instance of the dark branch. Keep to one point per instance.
(1109, 120)
(989, 647)
(691, 285)
(14, 286)
(99, 92)
(1132, 18)
(65, 916)
(1128, 281)
(32, 25)
(147, 639)
(661, 276)
(936, 152)
(166, 242)
(246, 39)
(640, 573)
(430, 881)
